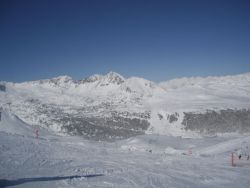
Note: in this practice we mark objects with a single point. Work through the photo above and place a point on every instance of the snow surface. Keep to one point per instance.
(168, 156)
(134, 95)
(143, 161)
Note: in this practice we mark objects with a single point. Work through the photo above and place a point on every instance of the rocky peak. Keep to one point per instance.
(2, 86)
(60, 80)
(93, 78)
(104, 80)
(115, 78)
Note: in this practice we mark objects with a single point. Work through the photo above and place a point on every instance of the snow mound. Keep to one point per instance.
(225, 147)
(12, 124)
(172, 151)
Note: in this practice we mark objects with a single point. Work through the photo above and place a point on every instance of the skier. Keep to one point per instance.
(239, 153)
(245, 150)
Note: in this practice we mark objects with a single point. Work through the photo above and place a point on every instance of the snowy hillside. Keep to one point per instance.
(109, 107)
(142, 161)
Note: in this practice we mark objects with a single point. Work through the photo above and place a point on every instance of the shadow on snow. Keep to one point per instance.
(7, 183)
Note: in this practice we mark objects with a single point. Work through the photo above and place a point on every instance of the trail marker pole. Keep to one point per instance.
(1, 113)
(37, 133)
(232, 159)
(190, 151)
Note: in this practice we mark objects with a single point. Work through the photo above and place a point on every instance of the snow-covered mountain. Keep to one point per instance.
(53, 161)
(107, 107)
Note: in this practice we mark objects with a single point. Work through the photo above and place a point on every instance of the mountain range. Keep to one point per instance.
(110, 107)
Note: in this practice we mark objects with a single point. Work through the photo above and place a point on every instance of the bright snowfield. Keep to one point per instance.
(161, 149)
(112, 99)
(144, 161)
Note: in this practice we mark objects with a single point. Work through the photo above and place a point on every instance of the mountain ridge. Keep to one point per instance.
(246, 74)
(113, 107)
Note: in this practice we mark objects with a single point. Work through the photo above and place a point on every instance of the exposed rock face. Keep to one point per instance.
(114, 78)
(160, 116)
(223, 121)
(106, 125)
(91, 79)
(57, 81)
(112, 128)
(108, 107)
(110, 78)
(2, 87)
(173, 117)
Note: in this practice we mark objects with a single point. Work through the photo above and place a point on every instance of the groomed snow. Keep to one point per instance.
(143, 161)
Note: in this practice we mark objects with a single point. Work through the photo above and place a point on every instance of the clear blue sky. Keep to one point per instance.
(157, 40)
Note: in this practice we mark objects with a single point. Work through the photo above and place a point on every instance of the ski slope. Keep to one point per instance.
(143, 161)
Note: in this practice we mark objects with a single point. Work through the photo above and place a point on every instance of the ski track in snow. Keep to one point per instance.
(146, 161)
(61, 157)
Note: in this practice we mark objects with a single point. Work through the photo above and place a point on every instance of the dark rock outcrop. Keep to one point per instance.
(2, 87)
(223, 121)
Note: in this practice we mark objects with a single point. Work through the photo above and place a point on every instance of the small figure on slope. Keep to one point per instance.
(37, 132)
